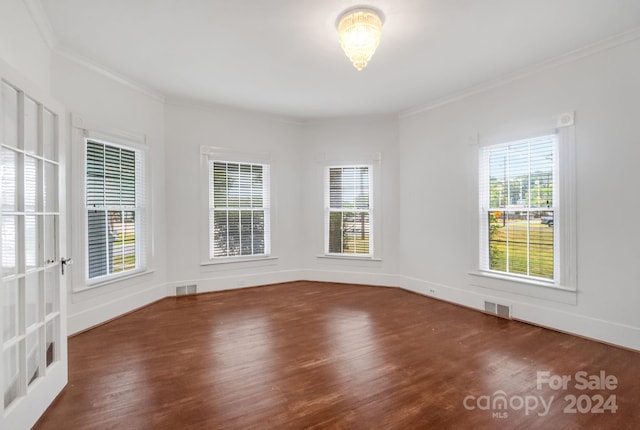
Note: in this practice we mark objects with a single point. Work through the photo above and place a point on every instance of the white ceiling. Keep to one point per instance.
(283, 56)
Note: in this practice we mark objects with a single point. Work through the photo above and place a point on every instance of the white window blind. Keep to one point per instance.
(114, 205)
(239, 209)
(519, 206)
(348, 211)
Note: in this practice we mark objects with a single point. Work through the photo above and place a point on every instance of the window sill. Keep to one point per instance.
(233, 260)
(113, 280)
(348, 257)
(525, 287)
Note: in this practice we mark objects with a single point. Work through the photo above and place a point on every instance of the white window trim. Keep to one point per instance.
(211, 153)
(374, 162)
(81, 132)
(564, 287)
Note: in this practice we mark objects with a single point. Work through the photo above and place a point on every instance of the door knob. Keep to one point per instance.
(65, 262)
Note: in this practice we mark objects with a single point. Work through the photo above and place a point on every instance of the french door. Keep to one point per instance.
(33, 361)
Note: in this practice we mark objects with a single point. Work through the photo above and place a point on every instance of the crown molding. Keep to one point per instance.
(110, 74)
(42, 22)
(569, 57)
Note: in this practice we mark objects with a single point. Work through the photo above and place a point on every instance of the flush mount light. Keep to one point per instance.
(359, 31)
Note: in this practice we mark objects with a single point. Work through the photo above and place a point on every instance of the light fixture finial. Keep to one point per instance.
(359, 32)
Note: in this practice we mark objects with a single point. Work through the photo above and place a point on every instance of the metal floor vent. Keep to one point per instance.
(502, 311)
(184, 290)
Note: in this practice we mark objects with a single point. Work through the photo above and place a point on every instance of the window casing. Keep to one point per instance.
(114, 210)
(348, 211)
(519, 208)
(239, 209)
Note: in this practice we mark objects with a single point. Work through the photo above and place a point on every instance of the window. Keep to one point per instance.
(114, 209)
(239, 215)
(519, 204)
(348, 211)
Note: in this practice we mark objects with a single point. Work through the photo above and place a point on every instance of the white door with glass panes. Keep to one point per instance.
(33, 312)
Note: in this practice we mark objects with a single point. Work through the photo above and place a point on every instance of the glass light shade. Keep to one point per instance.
(359, 32)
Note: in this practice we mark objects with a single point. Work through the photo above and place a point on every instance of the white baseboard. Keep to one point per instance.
(235, 281)
(94, 315)
(537, 314)
(534, 313)
(350, 277)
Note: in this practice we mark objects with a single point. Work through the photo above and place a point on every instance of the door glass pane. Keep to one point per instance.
(33, 356)
(10, 300)
(31, 242)
(9, 115)
(30, 184)
(50, 243)
(32, 298)
(49, 135)
(51, 291)
(9, 172)
(11, 375)
(52, 341)
(50, 187)
(30, 126)
(9, 233)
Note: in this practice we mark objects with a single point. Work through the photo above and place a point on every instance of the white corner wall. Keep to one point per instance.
(112, 106)
(603, 89)
(190, 126)
(22, 45)
(351, 141)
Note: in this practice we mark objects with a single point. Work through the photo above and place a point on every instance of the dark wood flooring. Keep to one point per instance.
(319, 355)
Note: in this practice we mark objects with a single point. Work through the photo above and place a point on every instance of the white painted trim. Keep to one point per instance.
(231, 260)
(104, 311)
(564, 286)
(236, 281)
(347, 257)
(350, 277)
(41, 20)
(112, 135)
(235, 156)
(123, 277)
(524, 287)
(81, 130)
(534, 311)
(209, 154)
(110, 74)
(551, 63)
(372, 160)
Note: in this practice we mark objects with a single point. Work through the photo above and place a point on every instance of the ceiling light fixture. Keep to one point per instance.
(359, 31)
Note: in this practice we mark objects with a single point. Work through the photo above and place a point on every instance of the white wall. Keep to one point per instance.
(187, 128)
(350, 141)
(604, 90)
(21, 44)
(112, 106)
(298, 152)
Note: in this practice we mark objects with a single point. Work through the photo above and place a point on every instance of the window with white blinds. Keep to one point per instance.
(348, 211)
(519, 207)
(114, 206)
(239, 209)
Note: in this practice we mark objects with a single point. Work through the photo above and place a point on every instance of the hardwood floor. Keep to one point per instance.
(318, 355)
